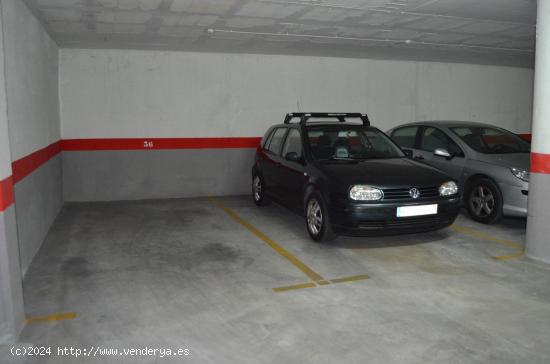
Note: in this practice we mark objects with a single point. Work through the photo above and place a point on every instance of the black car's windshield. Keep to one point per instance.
(492, 140)
(350, 142)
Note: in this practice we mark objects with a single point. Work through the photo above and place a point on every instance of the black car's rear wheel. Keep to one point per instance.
(484, 201)
(317, 219)
(258, 190)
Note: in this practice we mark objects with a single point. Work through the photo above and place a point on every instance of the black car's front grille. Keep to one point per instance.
(405, 223)
(404, 193)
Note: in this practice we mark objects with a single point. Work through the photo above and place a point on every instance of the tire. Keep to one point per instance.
(317, 219)
(484, 201)
(258, 191)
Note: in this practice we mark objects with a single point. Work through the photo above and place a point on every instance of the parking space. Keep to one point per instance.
(274, 181)
(199, 273)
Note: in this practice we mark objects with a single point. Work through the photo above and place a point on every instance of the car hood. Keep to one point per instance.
(383, 173)
(516, 160)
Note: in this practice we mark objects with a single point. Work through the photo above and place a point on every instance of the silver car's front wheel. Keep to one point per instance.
(484, 201)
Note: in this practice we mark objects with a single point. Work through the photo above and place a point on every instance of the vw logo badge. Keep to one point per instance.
(414, 192)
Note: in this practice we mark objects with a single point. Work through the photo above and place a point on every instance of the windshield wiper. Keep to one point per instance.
(376, 157)
(348, 159)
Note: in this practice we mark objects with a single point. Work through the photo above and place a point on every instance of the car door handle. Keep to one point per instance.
(418, 157)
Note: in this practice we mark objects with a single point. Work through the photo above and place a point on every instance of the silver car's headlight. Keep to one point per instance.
(522, 174)
(365, 193)
(448, 189)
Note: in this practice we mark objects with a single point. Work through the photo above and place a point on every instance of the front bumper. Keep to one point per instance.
(381, 218)
(515, 199)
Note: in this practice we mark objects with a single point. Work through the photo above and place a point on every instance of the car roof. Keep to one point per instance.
(448, 123)
(321, 123)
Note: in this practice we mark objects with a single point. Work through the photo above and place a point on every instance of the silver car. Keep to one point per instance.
(490, 164)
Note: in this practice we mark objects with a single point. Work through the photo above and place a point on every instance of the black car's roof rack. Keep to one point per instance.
(341, 117)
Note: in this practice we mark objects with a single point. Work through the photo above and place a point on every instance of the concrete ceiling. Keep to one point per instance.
(471, 31)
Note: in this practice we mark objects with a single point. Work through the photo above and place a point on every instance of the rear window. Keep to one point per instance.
(492, 140)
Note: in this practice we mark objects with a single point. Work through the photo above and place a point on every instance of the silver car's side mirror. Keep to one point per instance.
(440, 152)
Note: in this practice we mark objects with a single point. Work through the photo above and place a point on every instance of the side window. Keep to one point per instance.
(293, 143)
(267, 139)
(377, 141)
(433, 138)
(405, 137)
(277, 140)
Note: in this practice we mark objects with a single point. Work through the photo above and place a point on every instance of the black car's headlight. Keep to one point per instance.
(522, 174)
(365, 193)
(448, 188)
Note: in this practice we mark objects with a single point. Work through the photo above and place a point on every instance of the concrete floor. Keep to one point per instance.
(184, 274)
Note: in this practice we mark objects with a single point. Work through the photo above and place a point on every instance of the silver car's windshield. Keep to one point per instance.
(491, 140)
(350, 142)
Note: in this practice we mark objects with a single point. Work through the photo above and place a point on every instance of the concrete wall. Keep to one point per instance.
(12, 312)
(122, 93)
(11, 295)
(31, 59)
(140, 174)
(145, 94)
(38, 200)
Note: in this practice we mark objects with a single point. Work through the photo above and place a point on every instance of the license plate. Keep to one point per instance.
(419, 210)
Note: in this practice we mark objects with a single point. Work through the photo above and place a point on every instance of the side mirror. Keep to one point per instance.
(440, 152)
(293, 157)
(408, 153)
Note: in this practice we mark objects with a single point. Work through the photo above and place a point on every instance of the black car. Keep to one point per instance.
(349, 178)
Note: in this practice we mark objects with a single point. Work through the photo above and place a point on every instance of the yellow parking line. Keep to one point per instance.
(350, 279)
(483, 236)
(50, 318)
(321, 283)
(314, 276)
(294, 287)
(510, 256)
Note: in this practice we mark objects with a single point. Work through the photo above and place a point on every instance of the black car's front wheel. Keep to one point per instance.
(484, 201)
(317, 219)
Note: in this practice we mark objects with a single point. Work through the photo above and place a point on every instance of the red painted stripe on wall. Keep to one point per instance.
(26, 165)
(6, 193)
(158, 143)
(540, 163)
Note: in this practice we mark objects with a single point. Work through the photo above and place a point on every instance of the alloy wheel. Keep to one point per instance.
(482, 201)
(257, 188)
(314, 217)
